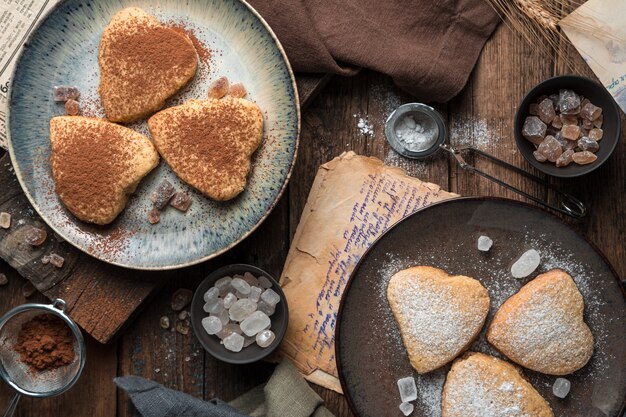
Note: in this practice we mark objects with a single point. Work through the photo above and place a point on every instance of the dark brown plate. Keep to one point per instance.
(370, 354)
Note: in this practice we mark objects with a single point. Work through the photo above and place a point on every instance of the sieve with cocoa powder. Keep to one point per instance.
(37, 376)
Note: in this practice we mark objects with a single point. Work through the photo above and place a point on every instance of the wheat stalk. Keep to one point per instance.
(537, 21)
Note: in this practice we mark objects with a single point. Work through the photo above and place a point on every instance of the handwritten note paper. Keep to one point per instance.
(597, 31)
(353, 201)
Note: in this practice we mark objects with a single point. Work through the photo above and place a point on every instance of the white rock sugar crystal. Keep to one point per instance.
(407, 388)
(406, 408)
(254, 323)
(561, 387)
(247, 341)
(265, 338)
(242, 309)
(526, 264)
(264, 282)
(212, 324)
(229, 300)
(234, 342)
(223, 284)
(255, 293)
(270, 297)
(251, 279)
(266, 308)
(214, 307)
(229, 329)
(223, 316)
(413, 135)
(241, 286)
(211, 295)
(484, 243)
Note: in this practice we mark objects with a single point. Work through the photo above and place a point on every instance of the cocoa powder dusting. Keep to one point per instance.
(45, 342)
(204, 53)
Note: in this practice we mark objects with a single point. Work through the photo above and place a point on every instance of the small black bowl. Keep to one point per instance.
(211, 343)
(598, 95)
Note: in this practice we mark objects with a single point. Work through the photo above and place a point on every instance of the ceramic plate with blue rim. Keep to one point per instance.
(63, 51)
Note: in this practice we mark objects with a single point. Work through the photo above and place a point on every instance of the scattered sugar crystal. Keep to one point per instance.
(241, 286)
(534, 129)
(407, 388)
(45, 260)
(546, 111)
(5, 220)
(255, 293)
(565, 159)
(56, 260)
(264, 338)
(223, 316)
(164, 322)
(223, 284)
(182, 327)
(484, 243)
(251, 279)
(181, 298)
(72, 108)
(154, 216)
(587, 144)
(590, 111)
(526, 264)
(219, 88)
(65, 92)
(214, 307)
(162, 194)
(270, 297)
(183, 315)
(242, 309)
(229, 329)
(237, 90)
(561, 387)
(584, 158)
(254, 323)
(266, 308)
(234, 342)
(406, 408)
(211, 295)
(596, 134)
(264, 282)
(212, 324)
(35, 236)
(181, 201)
(550, 148)
(229, 300)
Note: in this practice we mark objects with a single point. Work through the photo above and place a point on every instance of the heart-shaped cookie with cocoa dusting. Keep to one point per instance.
(542, 326)
(438, 315)
(142, 64)
(480, 385)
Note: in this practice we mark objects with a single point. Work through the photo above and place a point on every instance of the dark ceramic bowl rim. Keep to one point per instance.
(246, 357)
(434, 206)
(564, 172)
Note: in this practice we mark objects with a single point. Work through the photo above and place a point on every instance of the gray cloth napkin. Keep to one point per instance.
(286, 394)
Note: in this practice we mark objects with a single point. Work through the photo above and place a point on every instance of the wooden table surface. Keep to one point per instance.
(482, 115)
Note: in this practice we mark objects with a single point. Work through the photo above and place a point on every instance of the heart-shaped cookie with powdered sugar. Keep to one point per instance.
(542, 326)
(142, 64)
(480, 385)
(438, 315)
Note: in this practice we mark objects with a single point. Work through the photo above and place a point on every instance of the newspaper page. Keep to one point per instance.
(18, 18)
(598, 32)
(354, 200)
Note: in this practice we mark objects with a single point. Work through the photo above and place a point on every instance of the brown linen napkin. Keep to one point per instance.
(428, 47)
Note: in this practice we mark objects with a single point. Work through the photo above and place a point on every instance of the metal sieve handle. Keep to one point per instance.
(12, 406)
(568, 204)
(59, 304)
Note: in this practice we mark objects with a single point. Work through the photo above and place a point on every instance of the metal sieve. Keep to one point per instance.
(434, 122)
(18, 375)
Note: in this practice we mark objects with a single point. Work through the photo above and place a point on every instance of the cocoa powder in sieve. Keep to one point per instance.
(45, 342)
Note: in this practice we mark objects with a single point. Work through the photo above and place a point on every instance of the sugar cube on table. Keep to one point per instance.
(407, 388)
(484, 243)
(526, 264)
(561, 387)
(406, 408)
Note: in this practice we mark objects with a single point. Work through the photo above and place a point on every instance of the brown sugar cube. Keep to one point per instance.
(162, 194)
(219, 88)
(598, 122)
(584, 158)
(56, 260)
(546, 111)
(154, 215)
(5, 220)
(72, 107)
(567, 119)
(570, 132)
(565, 159)
(181, 201)
(237, 91)
(557, 123)
(35, 236)
(590, 111)
(550, 148)
(539, 156)
(587, 124)
(596, 134)
(533, 109)
(534, 130)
